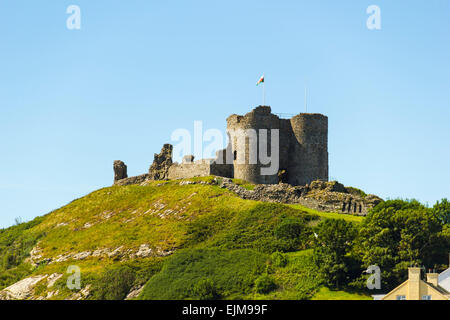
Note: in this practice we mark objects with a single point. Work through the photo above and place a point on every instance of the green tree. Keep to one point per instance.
(334, 241)
(442, 210)
(398, 234)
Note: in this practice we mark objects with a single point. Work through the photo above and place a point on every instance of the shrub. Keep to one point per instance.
(278, 259)
(294, 232)
(267, 227)
(114, 284)
(205, 290)
(230, 273)
(265, 284)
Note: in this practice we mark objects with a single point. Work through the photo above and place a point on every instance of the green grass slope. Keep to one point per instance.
(206, 243)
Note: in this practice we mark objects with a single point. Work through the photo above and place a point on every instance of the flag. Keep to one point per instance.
(261, 80)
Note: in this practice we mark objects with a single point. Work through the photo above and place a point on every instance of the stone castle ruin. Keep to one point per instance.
(266, 150)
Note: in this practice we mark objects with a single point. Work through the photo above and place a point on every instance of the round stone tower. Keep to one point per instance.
(308, 159)
(244, 138)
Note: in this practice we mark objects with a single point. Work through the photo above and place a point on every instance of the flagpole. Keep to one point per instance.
(264, 91)
(306, 100)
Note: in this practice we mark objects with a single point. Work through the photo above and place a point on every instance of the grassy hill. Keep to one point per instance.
(168, 240)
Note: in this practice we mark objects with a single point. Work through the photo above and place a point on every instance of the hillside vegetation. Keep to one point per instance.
(185, 240)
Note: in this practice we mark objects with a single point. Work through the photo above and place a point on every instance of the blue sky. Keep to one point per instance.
(72, 101)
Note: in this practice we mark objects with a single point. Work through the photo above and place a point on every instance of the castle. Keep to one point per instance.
(297, 149)
(302, 152)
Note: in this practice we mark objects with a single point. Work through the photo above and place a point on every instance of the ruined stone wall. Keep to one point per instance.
(308, 158)
(303, 153)
(201, 168)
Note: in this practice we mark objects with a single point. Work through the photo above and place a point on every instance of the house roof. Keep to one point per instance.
(444, 280)
(439, 289)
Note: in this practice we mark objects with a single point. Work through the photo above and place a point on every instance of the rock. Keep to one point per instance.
(323, 196)
(87, 225)
(86, 292)
(100, 253)
(132, 180)
(62, 224)
(134, 293)
(159, 170)
(81, 255)
(185, 183)
(144, 251)
(116, 252)
(21, 290)
(51, 280)
(328, 186)
(52, 294)
(35, 256)
(120, 170)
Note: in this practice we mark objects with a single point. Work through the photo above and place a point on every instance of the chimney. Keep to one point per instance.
(432, 278)
(414, 273)
(414, 283)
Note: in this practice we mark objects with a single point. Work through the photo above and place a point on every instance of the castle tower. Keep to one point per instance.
(303, 146)
(308, 158)
(247, 167)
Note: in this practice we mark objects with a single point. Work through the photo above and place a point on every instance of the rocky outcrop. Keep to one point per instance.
(319, 195)
(118, 253)
(120, 170)
(135, 292)
(21, 290)
(159, 170)
(132, 180)
(324, 196)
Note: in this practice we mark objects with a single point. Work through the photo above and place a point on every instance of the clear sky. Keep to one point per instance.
(72, 101)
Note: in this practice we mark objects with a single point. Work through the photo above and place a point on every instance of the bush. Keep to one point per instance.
(230, 273)
(278, 259)
(205, 290)
(16, 243)
(265, 284)
(114, 284)
(267, 227)
(294, 232)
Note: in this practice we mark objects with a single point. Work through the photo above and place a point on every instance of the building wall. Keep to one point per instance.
(415, 291)
(415, 288)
